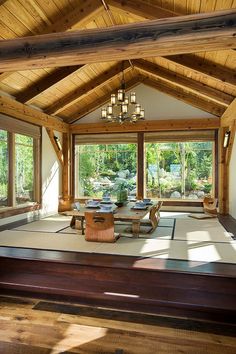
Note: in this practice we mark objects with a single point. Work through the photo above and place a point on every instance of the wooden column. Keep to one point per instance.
(141, 167)
(225, 156)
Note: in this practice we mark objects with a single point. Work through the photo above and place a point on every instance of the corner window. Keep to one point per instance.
(19, 163)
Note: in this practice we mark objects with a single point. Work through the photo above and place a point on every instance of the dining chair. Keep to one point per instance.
(153, 219)
(147, 226)
(100, 227)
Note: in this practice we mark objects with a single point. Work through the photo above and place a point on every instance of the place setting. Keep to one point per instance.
(142, 204)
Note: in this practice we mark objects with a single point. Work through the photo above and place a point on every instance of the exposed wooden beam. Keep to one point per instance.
(46, 82)
(182, 34)
(147, 126)
(101, 101)
(187, 97)
(68, 100)
(229, 115)
(55, 146)
(207, 69)
(140, 8)
(29, 114)
(185, 82)
(85, 12)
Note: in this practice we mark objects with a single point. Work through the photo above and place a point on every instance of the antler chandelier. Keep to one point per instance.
(122, 108)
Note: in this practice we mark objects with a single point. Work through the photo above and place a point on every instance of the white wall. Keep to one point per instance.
(51, 177)
(157, 105)
(232, 183)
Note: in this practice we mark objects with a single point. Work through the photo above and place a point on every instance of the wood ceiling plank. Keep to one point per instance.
(229, 115)
(182, 81)
(140, 8)
(45, 83)
(147, 125)
(85, 12)
(208, 69)
(78, 93)
(26, 113)
(159, 37)
(187, 97)
(101, 101)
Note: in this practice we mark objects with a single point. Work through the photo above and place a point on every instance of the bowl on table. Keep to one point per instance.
(106, 199)
(92, 203)
(105, 208)
(147, 200)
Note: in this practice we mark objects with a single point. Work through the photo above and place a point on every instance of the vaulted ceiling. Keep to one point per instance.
(69, 86)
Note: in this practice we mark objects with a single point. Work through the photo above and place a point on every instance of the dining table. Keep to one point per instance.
(128, 212)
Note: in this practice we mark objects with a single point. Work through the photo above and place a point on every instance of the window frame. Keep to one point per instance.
(141, 160)
(12, 208)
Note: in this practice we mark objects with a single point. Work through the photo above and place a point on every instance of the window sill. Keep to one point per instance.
(17, 210)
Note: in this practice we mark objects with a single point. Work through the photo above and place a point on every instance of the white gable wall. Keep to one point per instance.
(157, 105)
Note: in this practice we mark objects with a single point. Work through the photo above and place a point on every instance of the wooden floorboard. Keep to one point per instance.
(61, 328)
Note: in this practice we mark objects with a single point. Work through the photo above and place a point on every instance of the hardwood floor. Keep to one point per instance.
(32, 326)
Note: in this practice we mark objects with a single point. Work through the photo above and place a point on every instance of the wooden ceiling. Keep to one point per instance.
(67, 77)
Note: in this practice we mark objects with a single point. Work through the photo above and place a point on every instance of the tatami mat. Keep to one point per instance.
(201, 230)
(52, 224)
(157, 248)
(46, 240)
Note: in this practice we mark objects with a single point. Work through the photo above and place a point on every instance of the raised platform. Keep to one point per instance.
(202, 290)
(170, 287)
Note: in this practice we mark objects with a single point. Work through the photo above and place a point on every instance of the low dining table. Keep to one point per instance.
(122, 213)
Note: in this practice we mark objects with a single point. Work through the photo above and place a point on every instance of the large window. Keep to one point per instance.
(3, 168)
(179, 170)
(19, 163)
(101, 167)
(24, 168)
(177, 165)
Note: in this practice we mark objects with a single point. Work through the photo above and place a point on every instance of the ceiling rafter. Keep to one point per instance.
(140, 8)
(46, 82)
(77, 94)
(206, 68)
(185, 96)
(170, 36)
(184, 82)
(102, 100)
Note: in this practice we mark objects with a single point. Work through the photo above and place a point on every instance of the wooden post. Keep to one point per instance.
(222, 173)
(67, 199)
(225, 156)
(141, 167)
